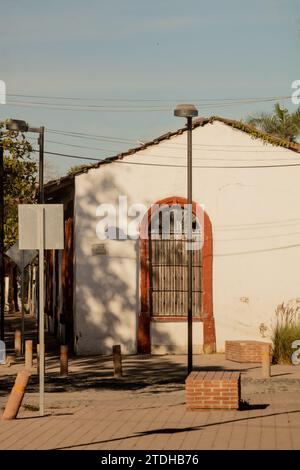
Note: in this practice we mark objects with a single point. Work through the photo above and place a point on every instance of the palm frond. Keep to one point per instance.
(279, 123)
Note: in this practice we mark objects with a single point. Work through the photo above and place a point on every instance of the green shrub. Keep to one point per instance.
(285, 331)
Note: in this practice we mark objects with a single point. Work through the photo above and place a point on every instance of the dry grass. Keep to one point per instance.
(285, 331)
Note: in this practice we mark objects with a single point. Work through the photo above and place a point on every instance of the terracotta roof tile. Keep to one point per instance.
(200, 122)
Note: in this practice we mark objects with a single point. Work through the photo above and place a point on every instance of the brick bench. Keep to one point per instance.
(213, 390)
(245, 351)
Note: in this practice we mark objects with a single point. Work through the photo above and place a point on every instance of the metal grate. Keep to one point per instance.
(168, 277)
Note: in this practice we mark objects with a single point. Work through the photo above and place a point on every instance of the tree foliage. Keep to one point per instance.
(280, 123)
(75, 169)
(20, 172)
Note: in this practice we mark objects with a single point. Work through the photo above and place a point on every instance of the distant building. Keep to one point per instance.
(133, 292)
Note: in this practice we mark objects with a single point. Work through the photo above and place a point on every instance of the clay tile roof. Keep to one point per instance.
(200, 122)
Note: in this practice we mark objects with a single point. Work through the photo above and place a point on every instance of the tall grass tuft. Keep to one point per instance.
(284, 332)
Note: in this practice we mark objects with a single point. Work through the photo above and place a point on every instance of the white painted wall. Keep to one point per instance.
(255, 216)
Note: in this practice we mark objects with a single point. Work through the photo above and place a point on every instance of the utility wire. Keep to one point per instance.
(90, 136)
(118, 108)
(91, 106)
(113, 160)
(136, 100)
(178, 157)
(170, 145)
(195, 156)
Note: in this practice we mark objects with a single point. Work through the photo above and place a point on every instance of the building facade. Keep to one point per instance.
(133, 291)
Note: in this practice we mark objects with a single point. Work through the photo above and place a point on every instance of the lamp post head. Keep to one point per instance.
(17, 125)
(186, 110)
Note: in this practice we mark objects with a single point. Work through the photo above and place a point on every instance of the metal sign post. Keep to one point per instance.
(22, 307)
(41, 226)
(41, 233)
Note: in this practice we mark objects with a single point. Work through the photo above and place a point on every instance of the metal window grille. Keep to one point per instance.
(168, 268)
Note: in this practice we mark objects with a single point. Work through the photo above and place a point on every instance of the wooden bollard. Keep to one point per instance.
(265, 361)
(28, 354)
(16, 395)
(117, 356)
(18, 343)
(10, 359)
(63, 359)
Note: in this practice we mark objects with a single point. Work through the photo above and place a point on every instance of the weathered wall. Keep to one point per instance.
(256, 238)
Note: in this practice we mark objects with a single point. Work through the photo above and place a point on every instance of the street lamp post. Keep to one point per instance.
(18, 125)
(22, 126)
(189, 111)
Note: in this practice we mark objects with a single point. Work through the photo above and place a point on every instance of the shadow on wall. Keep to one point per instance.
(107, 285)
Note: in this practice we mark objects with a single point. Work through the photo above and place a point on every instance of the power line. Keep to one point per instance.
(208, 104)
(89, 136)
(277, 224)
(257, 237)
(195, 156)
(171, 146)
(123, 100)
(113, 160)
(180, 156)
(118, 108)
(85, 108)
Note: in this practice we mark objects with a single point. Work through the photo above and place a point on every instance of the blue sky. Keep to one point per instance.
(164, 49)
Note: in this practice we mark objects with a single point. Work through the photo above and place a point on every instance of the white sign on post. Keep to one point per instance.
(29, 234)
(41, 226)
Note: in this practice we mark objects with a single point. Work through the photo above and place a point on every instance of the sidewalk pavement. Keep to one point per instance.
(145, 409)
(132, 420)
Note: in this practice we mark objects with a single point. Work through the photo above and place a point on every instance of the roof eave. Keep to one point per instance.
(199, 122)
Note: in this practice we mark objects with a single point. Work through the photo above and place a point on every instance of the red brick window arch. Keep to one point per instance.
(157, 302)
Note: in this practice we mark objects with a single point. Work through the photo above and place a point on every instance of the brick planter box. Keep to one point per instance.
(245, 351)
(213, 390)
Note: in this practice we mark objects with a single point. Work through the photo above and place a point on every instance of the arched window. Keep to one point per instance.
(163, 266)
(168, 263)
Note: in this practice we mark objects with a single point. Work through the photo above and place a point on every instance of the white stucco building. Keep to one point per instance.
(117, 292)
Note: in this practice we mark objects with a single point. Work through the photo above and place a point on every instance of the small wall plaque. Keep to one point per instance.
(99, 249)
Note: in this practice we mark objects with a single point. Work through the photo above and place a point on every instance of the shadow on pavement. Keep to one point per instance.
(174, 430)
